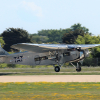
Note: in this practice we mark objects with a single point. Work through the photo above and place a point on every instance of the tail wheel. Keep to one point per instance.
(57, 69)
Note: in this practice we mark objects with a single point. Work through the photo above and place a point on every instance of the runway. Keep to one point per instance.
(51, 78)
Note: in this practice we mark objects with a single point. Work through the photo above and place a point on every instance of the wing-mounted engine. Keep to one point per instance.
(86, 53)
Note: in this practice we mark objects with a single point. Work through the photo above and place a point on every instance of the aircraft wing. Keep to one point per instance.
(40, 48)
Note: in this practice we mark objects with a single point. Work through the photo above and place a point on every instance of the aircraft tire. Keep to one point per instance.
(57, 69)
(78, 69)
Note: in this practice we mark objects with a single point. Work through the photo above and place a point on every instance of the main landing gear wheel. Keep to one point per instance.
(57, 69)
(78, 69)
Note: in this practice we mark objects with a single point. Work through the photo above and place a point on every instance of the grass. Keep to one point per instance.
(49, 91)
(50, 71)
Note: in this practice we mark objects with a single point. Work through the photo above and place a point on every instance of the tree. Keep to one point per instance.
(2, 42)
(87, 39)
(54, 35)
(14, 35)
(69, 38)
(79, 27)
(35, 38)
(73, 33)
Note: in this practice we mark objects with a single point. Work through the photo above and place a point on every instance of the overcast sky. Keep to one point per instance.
(35, 15)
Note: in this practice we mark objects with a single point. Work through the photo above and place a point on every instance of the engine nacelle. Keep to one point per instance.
(86, 53)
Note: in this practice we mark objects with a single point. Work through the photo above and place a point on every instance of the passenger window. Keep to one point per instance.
(41, 58)
(37, 59)
(66, 54)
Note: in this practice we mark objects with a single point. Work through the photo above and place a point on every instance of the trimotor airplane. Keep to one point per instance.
(47, 54)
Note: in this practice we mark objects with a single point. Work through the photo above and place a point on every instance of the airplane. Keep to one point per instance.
(47, 54)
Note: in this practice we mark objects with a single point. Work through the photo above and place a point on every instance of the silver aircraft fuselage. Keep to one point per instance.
(30, 58)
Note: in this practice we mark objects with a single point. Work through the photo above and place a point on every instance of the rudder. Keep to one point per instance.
(3, 52)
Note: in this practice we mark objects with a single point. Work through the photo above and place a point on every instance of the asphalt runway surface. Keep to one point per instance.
(51, 78)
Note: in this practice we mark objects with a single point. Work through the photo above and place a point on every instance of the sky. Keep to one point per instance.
(35, 15)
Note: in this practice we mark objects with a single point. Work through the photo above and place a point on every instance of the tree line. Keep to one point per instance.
(76, 34)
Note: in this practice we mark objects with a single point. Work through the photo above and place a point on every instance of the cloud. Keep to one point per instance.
(31, 6)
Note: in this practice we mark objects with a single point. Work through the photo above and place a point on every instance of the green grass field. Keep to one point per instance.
(49, 71)
(49, 91)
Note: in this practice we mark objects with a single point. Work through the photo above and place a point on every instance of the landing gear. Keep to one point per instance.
(78, 67)
(57, 68)
(57, 59)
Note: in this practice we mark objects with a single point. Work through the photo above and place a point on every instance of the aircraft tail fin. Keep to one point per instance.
(3, 52)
